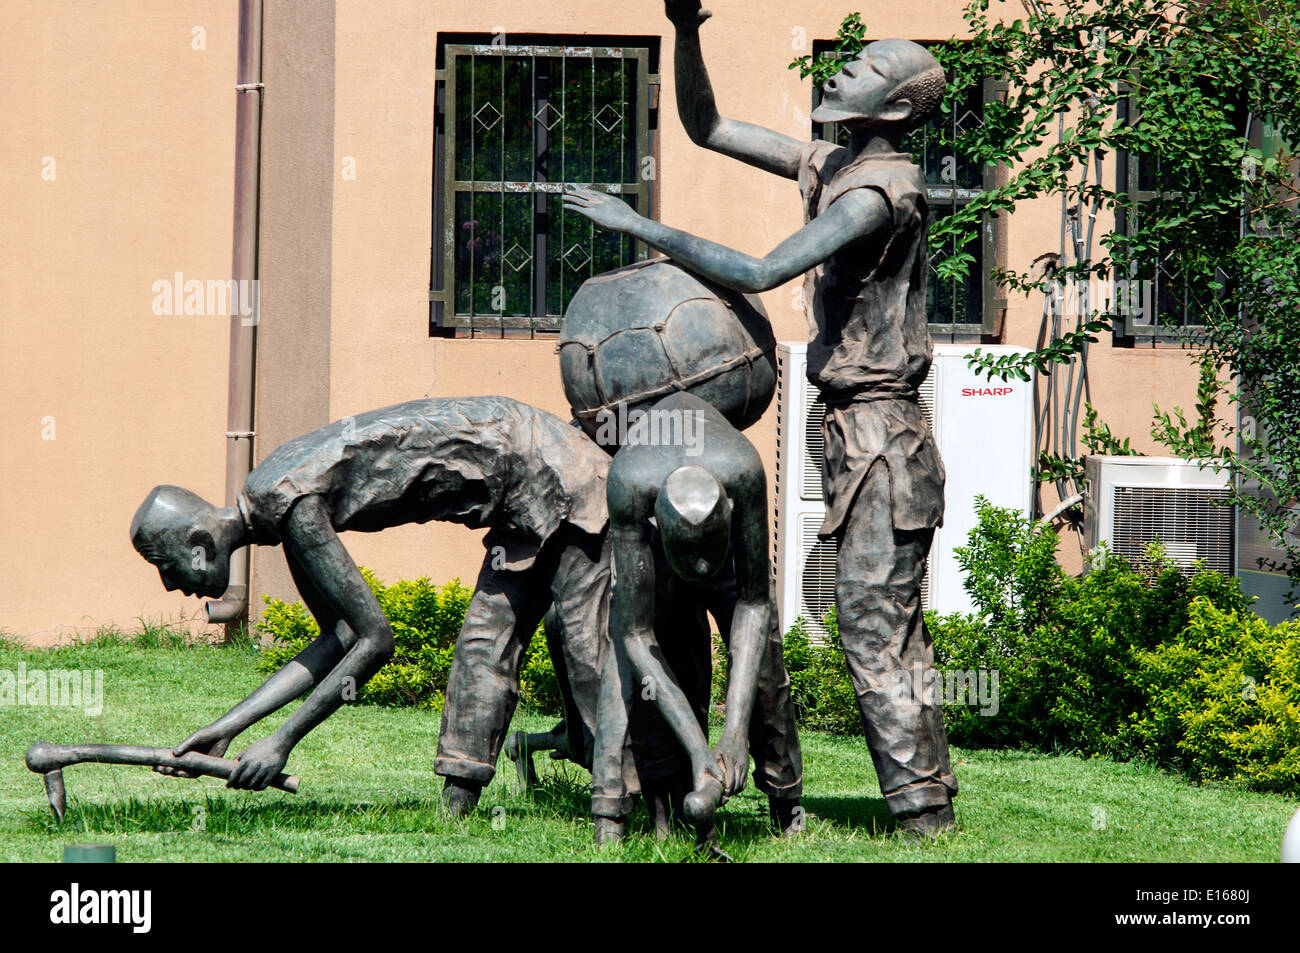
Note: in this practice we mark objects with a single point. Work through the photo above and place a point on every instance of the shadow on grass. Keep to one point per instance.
(244, 815)
(865, 813)
(566, 796)
(560, 795)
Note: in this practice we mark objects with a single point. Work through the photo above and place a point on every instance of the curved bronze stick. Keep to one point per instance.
(50, 760)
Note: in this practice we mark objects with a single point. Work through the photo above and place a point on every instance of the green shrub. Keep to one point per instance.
(539, 685)
(823, 694)
(1225, 699)
(425, 619)
(718, 682)
(1130, 660)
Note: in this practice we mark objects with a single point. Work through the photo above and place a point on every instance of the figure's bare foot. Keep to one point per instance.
(514, 745)
(661, 813)
(702, 803)
(610, 830)
(929, 823)
(706, 842)
(665, 802)
(786, 815)
(461, 795)
(518, 748)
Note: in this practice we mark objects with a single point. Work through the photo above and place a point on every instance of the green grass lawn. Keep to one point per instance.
(369, 792)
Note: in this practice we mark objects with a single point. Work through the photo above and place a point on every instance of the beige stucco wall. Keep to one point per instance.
(140, 126)
(383, 118)
(142, 129)
(1123, 382)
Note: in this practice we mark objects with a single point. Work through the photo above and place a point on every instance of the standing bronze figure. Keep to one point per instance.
(863, 249)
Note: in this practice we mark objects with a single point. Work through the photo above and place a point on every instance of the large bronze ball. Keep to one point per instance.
(637, 334)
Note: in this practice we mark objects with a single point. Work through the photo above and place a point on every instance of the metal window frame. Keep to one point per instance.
(993, 304)
(443, 316)
(1128, 175)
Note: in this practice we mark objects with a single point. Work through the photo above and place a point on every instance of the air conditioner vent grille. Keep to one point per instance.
(925, 397)
(817, 581)
(814, 445)
(1187, 521)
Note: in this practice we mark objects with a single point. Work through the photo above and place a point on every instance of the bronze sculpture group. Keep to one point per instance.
(626, 557)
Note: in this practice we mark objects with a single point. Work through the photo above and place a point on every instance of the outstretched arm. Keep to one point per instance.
(749, 630)
(763, 148)
(632, 625)
(293, 679)
(322, 557)
(857, 214)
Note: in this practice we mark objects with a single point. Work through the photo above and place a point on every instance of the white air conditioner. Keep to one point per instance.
(984, 430)
(1131, 501)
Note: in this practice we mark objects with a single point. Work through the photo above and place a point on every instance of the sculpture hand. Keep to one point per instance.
(685, 12)
(259, 765)
(732, 754)
(210, 740)
(608, 211)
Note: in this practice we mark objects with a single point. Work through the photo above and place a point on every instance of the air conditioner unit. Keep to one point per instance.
(1131, 501)
(804, 565)
(984, 431)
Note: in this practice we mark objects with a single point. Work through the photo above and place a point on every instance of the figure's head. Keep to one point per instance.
(694, 519)
(891, 82)
(181, 534)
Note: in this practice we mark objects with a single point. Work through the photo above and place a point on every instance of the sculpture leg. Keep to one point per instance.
(891, 660)
(682, 632)
(665, 800)
(682, 640)
(577, 634)
(522, 745)
(684, 635)
(483, 684)
(610, 802)
(56, 793)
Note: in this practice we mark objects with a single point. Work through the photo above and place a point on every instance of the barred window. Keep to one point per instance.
(1160, 302)
(517, 124)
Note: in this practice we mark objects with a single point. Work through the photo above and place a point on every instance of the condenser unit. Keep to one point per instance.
(984, 430)
(1129, 502)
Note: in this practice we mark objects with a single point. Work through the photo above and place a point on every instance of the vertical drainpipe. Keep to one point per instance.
(232, 608)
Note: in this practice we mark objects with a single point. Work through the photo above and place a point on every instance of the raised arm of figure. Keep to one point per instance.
(763, 148)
